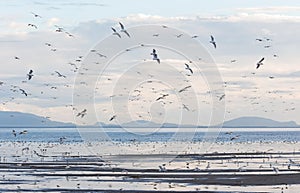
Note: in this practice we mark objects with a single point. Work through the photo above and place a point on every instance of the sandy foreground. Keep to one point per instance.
(150, 167)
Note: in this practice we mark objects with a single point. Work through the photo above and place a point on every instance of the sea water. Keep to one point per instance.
(73, 135)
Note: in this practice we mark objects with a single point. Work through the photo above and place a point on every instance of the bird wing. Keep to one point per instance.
(112, 118)
(186, 65)
(30, 71)
(114, 29)
(118, 35)
(215, 45)
(261, 60)
(159, 98)
(257, 65)
(59, 74)
(153, 51)
(122, 26)
(191, 70)
(126, 32)
(212, 38)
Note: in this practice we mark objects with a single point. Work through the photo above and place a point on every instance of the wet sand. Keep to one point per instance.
(224, 167)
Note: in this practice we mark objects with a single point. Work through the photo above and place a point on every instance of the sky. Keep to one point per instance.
(70, 35)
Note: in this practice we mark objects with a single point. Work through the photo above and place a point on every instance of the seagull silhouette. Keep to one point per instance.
(188, 68)
(259, 63)
(212, 41)
(30, 74)
(185, 107)
(23, 92)
(123, 29)
(36, 15)
(82, 113)
(222, 97)
(155, 56)
(14, 133)
(113, 117)
(115, 32)
(162, 97)
(32, 25)
(184, 89)
(59, 74)
(23, 132)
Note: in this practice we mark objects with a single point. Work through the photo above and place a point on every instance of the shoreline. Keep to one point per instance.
(80, 167)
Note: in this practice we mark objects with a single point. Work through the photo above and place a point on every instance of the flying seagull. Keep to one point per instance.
(30, 74)
(259, 63)
(82, 113)
(115, 32)
(23, 92)
(113, 117)
(185, 107)
(162, 97)
(221, 97)
(59, 74)
(188, 68)
(212, 41)
(123, 29)
(179, 36)
(32, 25)
(234, 137)
(184, 89)
(101, 55)
(23, 132)
(155, 57)
(36, 15)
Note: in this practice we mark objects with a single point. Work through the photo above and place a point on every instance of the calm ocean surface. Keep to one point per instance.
(72, 135)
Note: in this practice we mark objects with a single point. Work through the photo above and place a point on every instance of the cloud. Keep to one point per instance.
(240, 45)
(53, 21)
(278, 9)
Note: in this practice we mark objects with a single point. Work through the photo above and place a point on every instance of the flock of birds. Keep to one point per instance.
(155, 56)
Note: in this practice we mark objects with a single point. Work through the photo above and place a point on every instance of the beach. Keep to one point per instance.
(100, 167)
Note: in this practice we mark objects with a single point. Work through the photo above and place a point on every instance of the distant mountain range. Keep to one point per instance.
(18, 119)
(258, 122)
(22, 120)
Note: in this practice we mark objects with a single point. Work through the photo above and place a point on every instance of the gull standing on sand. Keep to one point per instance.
(14, 133)
(123, 29)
